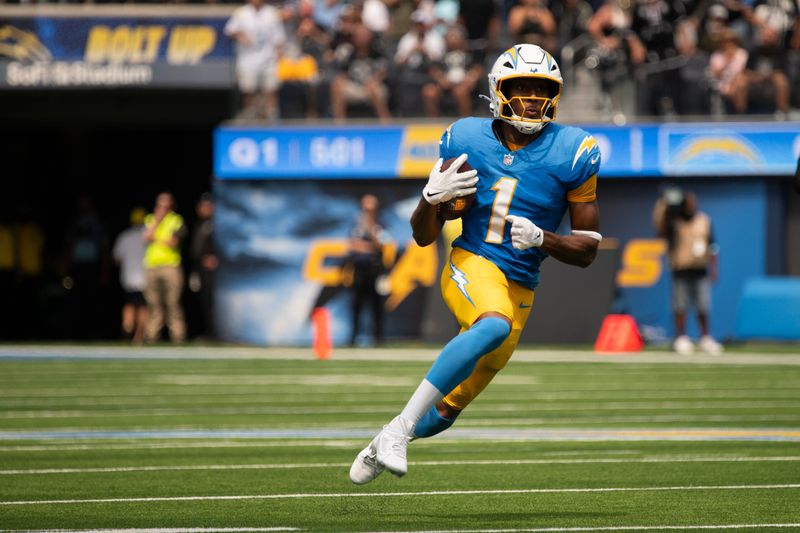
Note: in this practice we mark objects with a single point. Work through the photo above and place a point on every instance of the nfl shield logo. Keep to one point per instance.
(508, 159)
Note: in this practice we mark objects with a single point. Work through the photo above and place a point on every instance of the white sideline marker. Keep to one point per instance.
(490, 492)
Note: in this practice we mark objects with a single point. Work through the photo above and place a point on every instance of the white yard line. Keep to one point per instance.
(488, 492)
(178, 444)
(384, 354)
(136, 400)
(601, 419)
(498, 462)
(463, 432)
(616, 405)
(598, 528)
(524, 530)
(158, 530)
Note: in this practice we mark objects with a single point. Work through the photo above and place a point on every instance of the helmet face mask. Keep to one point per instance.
(525, 61)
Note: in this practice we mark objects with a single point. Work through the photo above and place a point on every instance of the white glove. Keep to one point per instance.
(524, 233)
(448, 184)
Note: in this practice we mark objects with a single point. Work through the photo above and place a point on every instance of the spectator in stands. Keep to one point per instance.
(445, 12)
(314, 43)
(128, 252)
(481, 19)
(572, 19)
(740, 13)
(164, 231)
(693, 262)
(710, 26)
(421, 45)
(726, 71)
(365, 258)
(298, 74)
(258, 31)
(341, 42)
(361, 78)
(327, 14)
(399, 18)
(457, 74)
(766, 87)
(204, 263)
(311, 38)
(88, 269)
(417, 51)
(375, 16)
(531, 22)
(693, 95)
(610, 27)
(616, 48)
(656, 22)
(794, 40)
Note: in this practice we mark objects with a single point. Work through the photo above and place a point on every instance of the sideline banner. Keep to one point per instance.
(408, 151)
(59, 52)
(283, 248)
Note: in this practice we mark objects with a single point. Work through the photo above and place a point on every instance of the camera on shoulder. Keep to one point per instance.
(673, 196)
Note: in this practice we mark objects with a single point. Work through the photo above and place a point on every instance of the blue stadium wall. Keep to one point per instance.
(287, 198)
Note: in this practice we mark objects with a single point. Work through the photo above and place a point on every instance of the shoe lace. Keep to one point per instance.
(400, 444)
(371, 460)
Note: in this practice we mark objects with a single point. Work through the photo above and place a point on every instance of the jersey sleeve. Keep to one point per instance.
(584, 193)
(447, 143)
(581, 181)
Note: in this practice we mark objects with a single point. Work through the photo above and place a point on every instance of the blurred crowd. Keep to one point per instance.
(411, 58)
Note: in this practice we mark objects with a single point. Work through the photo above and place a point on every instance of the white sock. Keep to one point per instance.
(425, 397)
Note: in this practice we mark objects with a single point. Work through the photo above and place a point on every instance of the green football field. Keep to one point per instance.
(200, 439)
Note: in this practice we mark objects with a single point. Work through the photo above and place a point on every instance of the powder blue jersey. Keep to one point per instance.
(532, 182)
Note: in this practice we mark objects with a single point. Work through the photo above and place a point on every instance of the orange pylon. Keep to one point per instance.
(321, 341)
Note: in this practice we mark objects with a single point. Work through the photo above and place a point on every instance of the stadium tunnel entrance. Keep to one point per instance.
(117, 148)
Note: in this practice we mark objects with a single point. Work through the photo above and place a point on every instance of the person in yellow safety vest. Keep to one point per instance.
(164, 230)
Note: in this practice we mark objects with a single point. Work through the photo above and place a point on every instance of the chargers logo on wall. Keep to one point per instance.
(21, 45)
(723, 153)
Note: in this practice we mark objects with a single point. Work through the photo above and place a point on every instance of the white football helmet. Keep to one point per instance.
(524, 61)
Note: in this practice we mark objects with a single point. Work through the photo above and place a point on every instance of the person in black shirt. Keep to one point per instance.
(366, 259)
(204, 263)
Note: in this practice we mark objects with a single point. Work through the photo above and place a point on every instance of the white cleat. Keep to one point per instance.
(366, 467)
(684, 345)
(391, 444)
(709, 345)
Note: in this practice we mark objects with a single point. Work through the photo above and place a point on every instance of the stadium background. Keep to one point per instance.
(64, 137)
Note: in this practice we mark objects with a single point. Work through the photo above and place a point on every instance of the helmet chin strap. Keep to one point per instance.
(527, 127)
(524, 126)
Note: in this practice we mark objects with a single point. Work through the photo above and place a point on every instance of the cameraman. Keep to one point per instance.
(693, 262)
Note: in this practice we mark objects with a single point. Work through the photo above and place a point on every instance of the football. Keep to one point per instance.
(456, 207)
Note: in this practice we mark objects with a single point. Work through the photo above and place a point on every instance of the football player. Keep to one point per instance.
(528, 171)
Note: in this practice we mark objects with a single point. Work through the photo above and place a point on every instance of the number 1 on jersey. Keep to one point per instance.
(502, 201)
